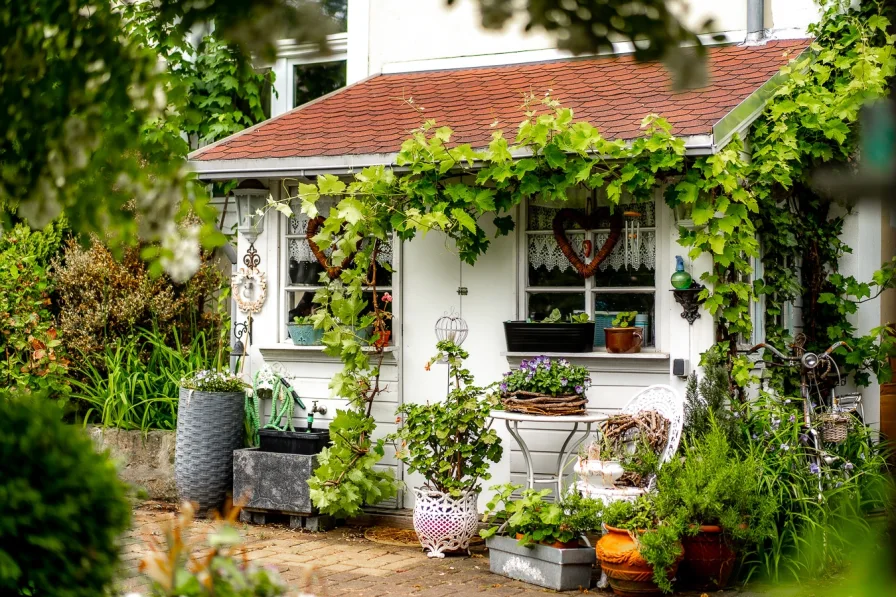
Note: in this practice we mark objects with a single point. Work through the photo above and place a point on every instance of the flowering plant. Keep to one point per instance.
(209, 380)
(542, 375)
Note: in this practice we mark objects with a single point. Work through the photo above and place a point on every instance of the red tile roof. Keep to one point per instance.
(613, 93)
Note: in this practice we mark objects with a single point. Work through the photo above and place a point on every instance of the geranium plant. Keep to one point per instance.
(209, 380)
(543, 375)
(450, 443)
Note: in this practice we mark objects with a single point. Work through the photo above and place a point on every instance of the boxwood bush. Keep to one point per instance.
(63, 507)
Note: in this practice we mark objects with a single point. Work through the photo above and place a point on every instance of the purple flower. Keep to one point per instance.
(804, 439)
(848, 466)
(755, 436)
(523, 365)
(507, 374)
(503, 387)
(563, 381)
(792, 418)
(813, 468)
(587, 382)
(785, 447)
(579, 389)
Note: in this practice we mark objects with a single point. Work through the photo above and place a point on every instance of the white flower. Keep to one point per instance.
(180, 253)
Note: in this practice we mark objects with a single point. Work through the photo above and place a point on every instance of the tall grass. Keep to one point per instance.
(134, 383)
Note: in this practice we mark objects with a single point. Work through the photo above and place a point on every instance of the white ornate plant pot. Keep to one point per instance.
(443, 523)
(598, 474)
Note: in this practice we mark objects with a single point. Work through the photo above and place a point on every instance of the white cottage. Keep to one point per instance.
(406, 61)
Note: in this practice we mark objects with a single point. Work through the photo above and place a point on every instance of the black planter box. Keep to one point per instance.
(293, 442)
(549, 337)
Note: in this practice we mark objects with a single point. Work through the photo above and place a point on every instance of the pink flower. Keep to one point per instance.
(387, 298)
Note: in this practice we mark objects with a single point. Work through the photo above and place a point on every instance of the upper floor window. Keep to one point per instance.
(311, 81)
(625, 281)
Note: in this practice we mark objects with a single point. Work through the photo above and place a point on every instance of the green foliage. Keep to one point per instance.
(624, 319)
(556, 317)
(818, 510)
(533, 519)
(709, 404)
(214, 568)
(450, 443)
(810, 126)
(714, 484)
(299, 320)
(64, 508)
(211, 380)
(346, 479)
(579, 318)
(33, 358)
(657, 539)
(135, 384)
(544, 375)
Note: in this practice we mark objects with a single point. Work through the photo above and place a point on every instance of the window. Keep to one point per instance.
(302, 270)
(311, 81)
(625, 281)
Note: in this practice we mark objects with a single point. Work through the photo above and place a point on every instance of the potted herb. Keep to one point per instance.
(210, 426)
(552, 334)
(451, 445)
(302, 332)
(623, 336)
(716, 491)
(639, 553)
(546, 535)
(545, 386)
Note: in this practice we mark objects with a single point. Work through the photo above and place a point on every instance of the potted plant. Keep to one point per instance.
(552, 334)
(210, 426)
(624, 337)
(546, 386)
(451, 445)
(639, 553)
(547, 536)
(302, 332)
(716, 492)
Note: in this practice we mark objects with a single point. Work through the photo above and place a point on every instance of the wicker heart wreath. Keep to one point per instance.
(586, 222)
(333, 271)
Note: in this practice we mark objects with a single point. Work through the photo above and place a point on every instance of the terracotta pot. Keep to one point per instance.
(557, 544)
(624, 340)
(628, 572)
(708, 560)
(383, 339)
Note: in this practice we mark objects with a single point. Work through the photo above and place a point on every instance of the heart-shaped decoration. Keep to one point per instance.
(586, 222)
(333, 271)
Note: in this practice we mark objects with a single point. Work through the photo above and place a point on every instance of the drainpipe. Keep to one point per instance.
(755, 20)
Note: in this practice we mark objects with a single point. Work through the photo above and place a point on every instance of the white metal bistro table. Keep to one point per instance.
(512, 422)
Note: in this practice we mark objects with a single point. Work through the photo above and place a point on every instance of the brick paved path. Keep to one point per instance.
(343, 562)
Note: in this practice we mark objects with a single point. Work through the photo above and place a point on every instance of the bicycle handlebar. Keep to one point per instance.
(784, 357)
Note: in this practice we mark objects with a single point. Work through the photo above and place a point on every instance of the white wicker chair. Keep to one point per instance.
(666, 401)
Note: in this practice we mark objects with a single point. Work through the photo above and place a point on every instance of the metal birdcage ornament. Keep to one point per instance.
(452, 327)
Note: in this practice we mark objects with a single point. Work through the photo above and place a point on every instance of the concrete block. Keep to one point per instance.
(549, 567)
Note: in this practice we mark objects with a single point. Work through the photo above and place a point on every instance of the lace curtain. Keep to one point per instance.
(298, 225)
(640, 251)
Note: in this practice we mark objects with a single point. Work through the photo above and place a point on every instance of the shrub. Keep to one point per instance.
(63, 505)
(103, 299)
(134, 383)
(32, 358)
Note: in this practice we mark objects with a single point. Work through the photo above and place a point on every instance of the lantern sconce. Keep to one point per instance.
(251, 197)
(451, 327)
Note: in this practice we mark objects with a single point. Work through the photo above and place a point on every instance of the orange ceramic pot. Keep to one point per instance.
(383, 340)
(708, 560)
(628, 572)
(624, 340)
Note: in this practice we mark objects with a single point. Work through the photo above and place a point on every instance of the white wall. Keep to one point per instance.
(385, 34)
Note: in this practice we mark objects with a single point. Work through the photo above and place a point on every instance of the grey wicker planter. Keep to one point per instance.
(209, 428)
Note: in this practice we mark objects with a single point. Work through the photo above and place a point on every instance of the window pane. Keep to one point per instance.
(608, 305)
(548, 266)
(315, 80)
(541, 213)
(542, 303)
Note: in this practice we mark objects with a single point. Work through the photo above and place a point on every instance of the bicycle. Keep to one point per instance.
(833, 412)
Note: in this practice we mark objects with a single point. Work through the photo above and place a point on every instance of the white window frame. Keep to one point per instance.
(290, 55)
(589, 289)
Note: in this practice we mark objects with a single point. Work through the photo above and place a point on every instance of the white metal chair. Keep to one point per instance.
(666, 401)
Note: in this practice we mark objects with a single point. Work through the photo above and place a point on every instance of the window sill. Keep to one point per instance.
(641, 356)
(288, 352)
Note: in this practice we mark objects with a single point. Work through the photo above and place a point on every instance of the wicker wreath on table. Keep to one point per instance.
(532, 403)
(586, 222)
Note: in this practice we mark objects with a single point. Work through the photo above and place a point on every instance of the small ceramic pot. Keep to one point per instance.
(304, 334)
(624, 340)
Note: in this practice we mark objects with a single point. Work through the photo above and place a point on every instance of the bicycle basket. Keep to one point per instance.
(834, 427)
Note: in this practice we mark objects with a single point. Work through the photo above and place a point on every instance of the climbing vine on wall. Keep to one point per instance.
(468, 195)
